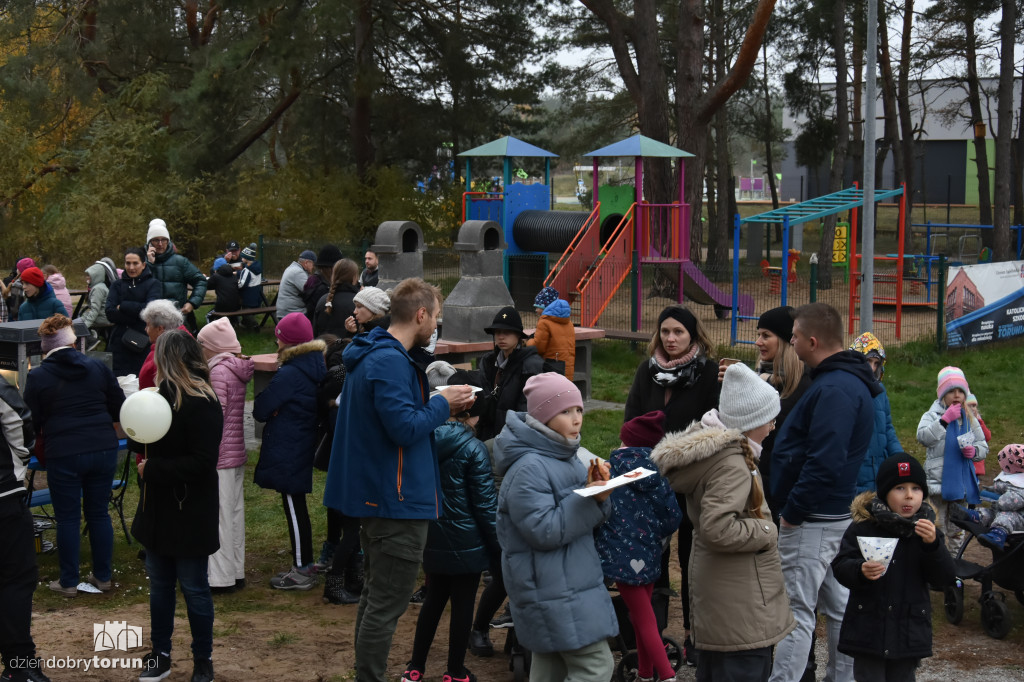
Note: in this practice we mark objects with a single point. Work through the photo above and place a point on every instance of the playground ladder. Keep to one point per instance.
(607, 271)
(580, 254)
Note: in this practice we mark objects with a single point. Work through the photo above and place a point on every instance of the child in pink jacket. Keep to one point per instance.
(230, 371)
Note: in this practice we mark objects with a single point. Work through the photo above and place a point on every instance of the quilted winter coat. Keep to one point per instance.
(555, 336)
(229, 375)
(737, 593)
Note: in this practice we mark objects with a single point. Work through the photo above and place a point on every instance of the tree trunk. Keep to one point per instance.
(1001, 214)
(835, 182)
(718, 248)
(856, 151)
(362, 90)
(980, 143)
(769, 123)
(1018, 168)
(889, 106)
(692, 131)
(907, 142)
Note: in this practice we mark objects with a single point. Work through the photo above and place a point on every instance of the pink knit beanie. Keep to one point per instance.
(950, 378)
(219, 337)
(24, 264)
(548, 394)
(294, 328)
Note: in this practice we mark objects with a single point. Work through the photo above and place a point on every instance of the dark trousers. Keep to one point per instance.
(871, 669)
(752, 665)
(491, 600)
(300, 531)
(461, 589)
(18, 577)
(685, 546)
(344, 532)
(165, 573)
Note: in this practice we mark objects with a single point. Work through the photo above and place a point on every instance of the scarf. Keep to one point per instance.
(959, 481)
(893, 522)
(681, 372)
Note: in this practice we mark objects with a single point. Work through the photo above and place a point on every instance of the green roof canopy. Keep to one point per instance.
(508, 146)
(638, 145)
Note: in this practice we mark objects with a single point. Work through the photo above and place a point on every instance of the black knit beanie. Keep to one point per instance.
(897, 469)
(778, 321)
(683, 316)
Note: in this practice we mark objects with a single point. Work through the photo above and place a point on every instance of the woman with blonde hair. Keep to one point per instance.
(740, 606)
(337, 305)
(177, 517)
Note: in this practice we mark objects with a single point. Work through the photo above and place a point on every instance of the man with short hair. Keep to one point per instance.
(368, 277)
(232, 253)
(293, 282)
(383, 463)
(174, 272)
(817, 455)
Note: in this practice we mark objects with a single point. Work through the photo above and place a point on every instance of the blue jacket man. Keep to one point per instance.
(383, 463)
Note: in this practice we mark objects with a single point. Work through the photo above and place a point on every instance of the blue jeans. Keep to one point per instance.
(80, 482)
(806, 553)
(164, 573)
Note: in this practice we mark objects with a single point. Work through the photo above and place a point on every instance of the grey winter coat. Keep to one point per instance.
(551, 566)
(931, 433)
(738, 597)
(95, 314)
(289, 293)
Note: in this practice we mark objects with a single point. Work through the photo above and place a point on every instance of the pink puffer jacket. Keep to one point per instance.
(229, 376)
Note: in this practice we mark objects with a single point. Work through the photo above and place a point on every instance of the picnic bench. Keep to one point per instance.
(267, 310)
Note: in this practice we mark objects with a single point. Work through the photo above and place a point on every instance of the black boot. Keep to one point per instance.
(354, 573)
(335, 592)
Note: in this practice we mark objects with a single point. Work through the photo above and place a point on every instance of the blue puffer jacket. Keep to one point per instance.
(884, 443)
(382, 460)
(550, 563)
(288, 406)
(463, 540)
(42, 305)
(75, 400)
(643, 514)
(175, 273)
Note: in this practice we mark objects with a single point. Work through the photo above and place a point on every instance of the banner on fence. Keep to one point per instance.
(984, 303)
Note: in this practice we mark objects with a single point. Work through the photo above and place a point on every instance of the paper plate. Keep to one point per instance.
(878, 549)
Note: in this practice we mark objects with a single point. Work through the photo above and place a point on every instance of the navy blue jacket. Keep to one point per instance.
(884, 443)
(643, 514)
(820, 447)
(382, 460)
(75, 401)
(463, 539)
(289, 408)
(131, 294)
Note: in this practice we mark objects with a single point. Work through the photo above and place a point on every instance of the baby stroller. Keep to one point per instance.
(1006, 571)
(625, 642)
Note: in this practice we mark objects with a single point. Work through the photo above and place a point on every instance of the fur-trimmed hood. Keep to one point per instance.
(680, 451)
(291, 352)
(869, 507)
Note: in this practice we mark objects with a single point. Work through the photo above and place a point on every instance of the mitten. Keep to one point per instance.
(952, 413)
(968, 451)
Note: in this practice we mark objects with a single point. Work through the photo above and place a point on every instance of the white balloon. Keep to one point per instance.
(146, 416)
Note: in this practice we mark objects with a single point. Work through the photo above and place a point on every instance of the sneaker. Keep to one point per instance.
(101, 585)
(412, 675)
(480, 644)
(65, 591)
(326, 556)
(202, 670)
(295, 579)
(155, 667)
(31, 674)
(466, 677)
(994, 539)
(689, 653)
(419, 595)
(503, 621)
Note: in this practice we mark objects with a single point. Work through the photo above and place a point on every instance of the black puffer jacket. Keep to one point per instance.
(125, 301)
(463, 538)
(178, 505)
(890, 617)
(504, 388)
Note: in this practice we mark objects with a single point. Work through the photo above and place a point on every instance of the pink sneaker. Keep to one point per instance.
(412, 675)
(469, 677)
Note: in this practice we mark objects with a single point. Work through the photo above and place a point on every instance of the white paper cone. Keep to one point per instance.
(878, 549)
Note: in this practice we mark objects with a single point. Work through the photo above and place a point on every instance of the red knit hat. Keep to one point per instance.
(33, 276)
(644, 431)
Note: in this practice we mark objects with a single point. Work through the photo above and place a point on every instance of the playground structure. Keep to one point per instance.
(602, 248)
(850, 199)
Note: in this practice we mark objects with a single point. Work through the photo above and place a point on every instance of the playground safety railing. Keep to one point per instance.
(933, 239)
(609, 270)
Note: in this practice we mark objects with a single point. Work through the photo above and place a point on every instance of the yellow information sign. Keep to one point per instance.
(839, 243)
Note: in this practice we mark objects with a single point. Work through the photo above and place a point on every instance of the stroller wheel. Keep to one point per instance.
(995, 615)
(674, 652)
(954, 602)
(626, 670)
(518, 666)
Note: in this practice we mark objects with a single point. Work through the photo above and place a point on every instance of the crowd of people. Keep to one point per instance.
(467, 472)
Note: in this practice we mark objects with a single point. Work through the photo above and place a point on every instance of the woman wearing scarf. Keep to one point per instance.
(681, 379)
(955, 441)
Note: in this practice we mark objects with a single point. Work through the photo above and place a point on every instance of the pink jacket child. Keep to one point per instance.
(230, 372)
(60, 287)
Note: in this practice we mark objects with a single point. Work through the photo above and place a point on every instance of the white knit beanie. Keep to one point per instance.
(157, 228)
(373, 299)
(747, 401)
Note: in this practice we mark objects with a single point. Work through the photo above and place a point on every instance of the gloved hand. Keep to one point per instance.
(952, 413)
(969, 451)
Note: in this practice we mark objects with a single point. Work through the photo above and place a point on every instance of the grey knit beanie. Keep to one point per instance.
(747, 401)
(373, 299)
